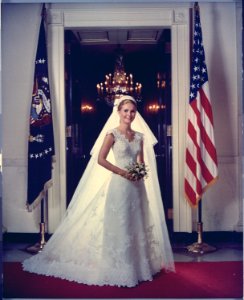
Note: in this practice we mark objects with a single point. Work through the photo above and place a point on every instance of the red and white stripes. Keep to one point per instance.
(201, 158)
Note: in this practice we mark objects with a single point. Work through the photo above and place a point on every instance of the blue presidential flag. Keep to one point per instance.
(41, 139)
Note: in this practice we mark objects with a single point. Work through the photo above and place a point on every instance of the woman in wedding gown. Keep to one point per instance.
(114, 230)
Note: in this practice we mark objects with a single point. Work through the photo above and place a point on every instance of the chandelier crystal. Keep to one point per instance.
(119, 83)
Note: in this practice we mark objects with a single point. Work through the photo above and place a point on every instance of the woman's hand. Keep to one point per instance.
(127, 175)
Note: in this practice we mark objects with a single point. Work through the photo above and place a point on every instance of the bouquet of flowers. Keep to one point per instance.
(137, 170)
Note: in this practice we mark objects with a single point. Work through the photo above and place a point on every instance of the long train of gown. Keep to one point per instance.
(112, 241)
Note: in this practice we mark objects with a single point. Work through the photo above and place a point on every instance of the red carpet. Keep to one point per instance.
(191, 280)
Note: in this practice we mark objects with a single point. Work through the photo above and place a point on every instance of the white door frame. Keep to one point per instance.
(115, 15)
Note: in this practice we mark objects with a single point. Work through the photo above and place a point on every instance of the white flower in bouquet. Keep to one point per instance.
(138, 170)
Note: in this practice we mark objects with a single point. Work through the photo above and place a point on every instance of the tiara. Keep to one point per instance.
(122, 98)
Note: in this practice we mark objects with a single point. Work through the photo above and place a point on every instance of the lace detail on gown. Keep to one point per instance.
(112, 242)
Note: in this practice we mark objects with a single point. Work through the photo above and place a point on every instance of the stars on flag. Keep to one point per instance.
(40, 61)
(199, 69)
(45, 79)
(41, 154)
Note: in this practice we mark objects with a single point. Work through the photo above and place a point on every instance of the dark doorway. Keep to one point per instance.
(85, 66)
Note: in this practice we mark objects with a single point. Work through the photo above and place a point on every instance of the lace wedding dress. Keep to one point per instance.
(114, 239)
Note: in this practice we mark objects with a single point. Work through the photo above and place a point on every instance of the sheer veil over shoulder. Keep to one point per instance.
(76, 250)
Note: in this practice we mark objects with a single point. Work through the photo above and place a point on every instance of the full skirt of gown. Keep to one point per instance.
(113, 239)
(118, 248)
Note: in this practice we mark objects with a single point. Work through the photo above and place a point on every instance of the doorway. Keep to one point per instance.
(85, 66)
(120, 15)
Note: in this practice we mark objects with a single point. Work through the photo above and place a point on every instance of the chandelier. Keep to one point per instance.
(119, 83)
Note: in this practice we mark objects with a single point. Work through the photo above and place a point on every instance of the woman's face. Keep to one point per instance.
(127, 113)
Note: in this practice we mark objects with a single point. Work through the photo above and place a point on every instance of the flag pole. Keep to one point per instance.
(44, 199)
(44, 11)
(196, 6)
(42, 224)
(199, 247)
(38, 247)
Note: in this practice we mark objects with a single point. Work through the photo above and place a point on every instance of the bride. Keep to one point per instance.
(114, 231)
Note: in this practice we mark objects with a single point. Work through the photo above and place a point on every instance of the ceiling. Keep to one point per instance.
(118, 36)
(132, 40)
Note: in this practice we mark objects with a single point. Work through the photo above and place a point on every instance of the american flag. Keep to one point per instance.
(201, 169)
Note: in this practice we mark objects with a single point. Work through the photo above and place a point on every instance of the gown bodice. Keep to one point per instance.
(125, 151)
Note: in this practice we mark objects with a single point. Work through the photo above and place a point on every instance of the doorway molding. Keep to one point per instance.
(115, 15)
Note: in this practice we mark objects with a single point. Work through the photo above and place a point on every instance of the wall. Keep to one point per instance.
(20, 25)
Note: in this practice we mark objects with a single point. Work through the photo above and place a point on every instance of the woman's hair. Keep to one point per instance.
(125, 101)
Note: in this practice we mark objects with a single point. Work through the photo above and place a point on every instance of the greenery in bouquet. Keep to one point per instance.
(138, 170)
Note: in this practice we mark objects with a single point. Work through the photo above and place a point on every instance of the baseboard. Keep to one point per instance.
(207, 237)
(176, 237)
(15, 237)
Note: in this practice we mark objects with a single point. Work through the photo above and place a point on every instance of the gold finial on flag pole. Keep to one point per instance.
(44, 11)
(196, 6)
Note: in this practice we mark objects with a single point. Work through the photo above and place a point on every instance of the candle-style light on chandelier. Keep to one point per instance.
(119, 83)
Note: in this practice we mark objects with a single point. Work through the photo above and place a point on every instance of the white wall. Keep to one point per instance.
(20, 25)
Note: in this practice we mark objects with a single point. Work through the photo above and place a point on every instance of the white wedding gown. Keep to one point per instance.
(113, 239)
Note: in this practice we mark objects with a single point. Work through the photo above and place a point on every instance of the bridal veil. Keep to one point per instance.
(95, 177)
